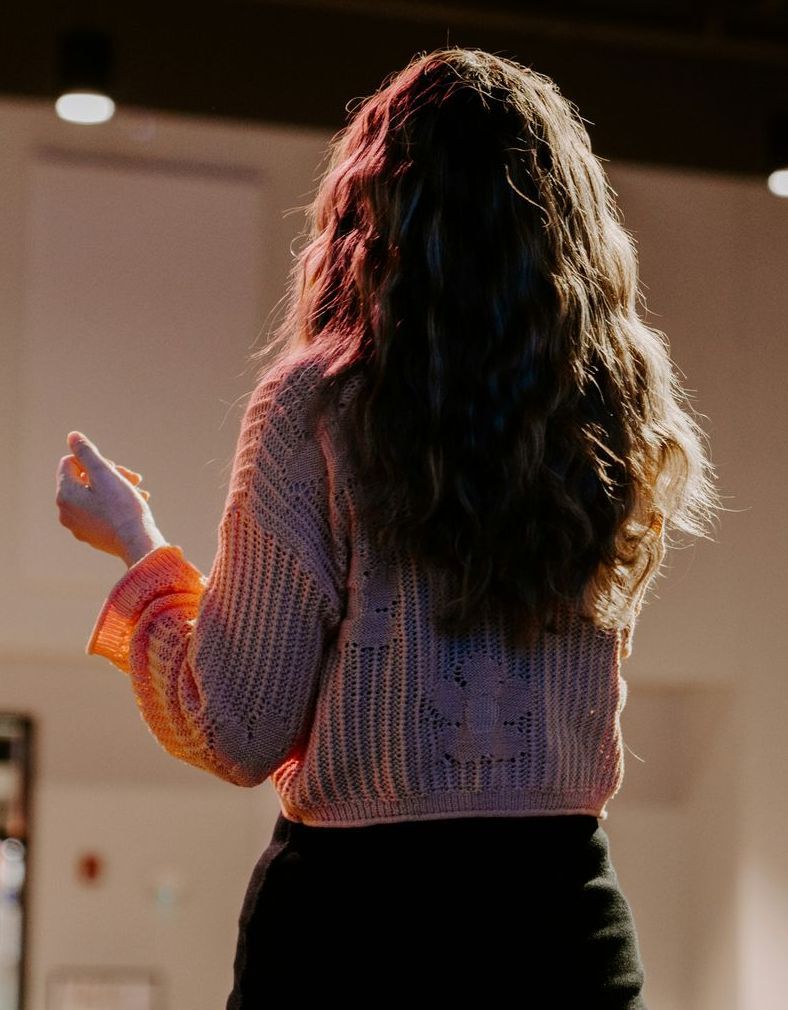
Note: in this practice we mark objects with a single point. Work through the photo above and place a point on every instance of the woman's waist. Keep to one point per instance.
(528, 817)
(553, 842)
(481, 825)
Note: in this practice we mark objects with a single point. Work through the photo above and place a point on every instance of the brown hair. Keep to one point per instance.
(518, 424)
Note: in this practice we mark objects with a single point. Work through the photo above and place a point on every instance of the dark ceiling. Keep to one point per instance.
(693, 85)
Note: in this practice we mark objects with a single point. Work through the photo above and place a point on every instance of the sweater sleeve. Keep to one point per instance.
(225, 668)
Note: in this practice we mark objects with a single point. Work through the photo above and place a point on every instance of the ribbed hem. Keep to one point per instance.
(497, 803)
(161, 571)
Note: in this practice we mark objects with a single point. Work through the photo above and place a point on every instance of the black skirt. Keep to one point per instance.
(471, 909)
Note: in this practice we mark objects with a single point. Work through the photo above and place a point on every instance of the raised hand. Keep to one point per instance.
(100, 502)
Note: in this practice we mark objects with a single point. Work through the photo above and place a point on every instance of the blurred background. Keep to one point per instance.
(146, 239)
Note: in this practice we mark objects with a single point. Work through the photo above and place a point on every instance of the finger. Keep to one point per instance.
(71, 482)
(86, 453)
(145, 494)
(131, 475)
(71, 472)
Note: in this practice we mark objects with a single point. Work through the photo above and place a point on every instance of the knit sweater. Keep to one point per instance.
(305, 658)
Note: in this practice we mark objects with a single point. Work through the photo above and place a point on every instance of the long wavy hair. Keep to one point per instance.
(517, 425)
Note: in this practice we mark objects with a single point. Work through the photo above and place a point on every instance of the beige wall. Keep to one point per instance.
(140, 260)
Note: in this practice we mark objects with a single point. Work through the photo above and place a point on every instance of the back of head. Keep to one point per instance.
(519, 426)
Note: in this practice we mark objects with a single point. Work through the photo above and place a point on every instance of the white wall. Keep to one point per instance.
(139, 264)
(140, 260)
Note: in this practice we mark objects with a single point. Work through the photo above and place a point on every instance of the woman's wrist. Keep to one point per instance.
(140, 543)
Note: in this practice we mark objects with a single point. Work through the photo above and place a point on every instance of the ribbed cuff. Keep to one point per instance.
(442, 805)
(162, 571)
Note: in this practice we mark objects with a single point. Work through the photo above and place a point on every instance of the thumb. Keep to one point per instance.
(85, 451)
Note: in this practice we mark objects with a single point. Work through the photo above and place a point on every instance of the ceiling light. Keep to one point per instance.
(83, 77)
(777, 179)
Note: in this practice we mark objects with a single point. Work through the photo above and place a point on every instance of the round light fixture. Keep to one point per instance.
(83, 76)
(85, 107)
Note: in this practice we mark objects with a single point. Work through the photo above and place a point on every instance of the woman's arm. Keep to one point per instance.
(225, 668)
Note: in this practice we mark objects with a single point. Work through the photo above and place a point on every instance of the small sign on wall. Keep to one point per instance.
(103, 989)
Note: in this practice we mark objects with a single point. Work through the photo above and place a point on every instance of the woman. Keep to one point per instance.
(448, 498)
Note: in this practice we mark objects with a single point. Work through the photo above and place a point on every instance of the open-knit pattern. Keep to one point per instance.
(304, 657)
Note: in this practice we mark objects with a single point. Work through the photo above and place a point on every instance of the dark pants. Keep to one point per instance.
(468, 910)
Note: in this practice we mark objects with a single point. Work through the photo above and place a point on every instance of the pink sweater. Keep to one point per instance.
(303, 658)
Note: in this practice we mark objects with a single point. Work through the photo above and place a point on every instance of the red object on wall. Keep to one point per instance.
(90, 868)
